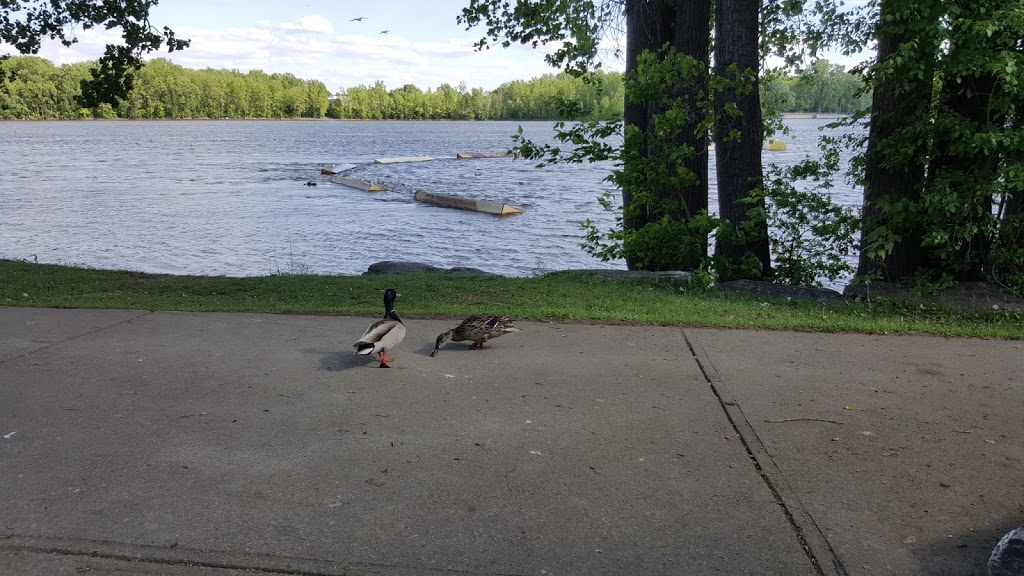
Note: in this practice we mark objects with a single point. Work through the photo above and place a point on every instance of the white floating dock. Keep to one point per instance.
(466, 204)
(360, 184)
(402, 159)
(467, 155)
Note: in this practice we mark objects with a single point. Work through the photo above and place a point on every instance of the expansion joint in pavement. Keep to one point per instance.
(747, 436)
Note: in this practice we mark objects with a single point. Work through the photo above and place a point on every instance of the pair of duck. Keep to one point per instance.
(383, 335)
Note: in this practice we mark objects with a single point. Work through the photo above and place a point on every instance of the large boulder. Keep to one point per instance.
(674, 277)
(964, 297)
(781, 290)
(1008, 556)
(392, 267)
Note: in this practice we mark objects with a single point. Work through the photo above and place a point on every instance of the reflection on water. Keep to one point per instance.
(229, 197)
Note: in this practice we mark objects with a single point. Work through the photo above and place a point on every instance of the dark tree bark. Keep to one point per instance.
(967, 103)
(692, 32)
(969, 99)
(894, 169)
(739, 136)
(1014, 205)
(650, 26)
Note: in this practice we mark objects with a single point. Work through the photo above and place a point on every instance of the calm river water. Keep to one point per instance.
(229, 197)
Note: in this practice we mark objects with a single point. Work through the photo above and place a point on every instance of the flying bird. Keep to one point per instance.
(385, 31)
(360, 19)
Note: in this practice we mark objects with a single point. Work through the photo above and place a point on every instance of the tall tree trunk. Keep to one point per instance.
(739, 134)
(1014, 205)
(969, 174)
(692, 38)
(650, 26)
(894, 169)
(965, 110)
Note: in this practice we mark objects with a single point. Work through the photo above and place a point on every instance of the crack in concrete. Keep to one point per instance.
(178, 556)
(765, 477)
(77, 336)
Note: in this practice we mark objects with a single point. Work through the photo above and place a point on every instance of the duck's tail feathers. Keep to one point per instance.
(364, 348)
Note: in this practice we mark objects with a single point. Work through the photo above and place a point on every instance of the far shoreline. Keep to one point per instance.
(784, 115)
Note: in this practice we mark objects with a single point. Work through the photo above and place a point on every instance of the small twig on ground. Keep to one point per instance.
(803, 420)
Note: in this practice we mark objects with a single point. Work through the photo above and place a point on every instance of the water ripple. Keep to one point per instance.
(229, 197)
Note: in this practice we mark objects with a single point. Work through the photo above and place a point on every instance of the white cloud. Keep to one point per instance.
(316, 24)
(309, 49)
(90, 46)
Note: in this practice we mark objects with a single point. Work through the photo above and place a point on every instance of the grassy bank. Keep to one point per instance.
(579, 297)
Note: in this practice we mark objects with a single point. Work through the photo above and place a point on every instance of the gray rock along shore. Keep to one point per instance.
(966, 297)
(676, 278)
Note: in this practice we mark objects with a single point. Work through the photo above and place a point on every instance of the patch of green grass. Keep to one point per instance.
(567, 297)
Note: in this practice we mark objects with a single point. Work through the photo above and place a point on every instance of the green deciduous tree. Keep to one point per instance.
(667, 118)
(897, 149)
(25, 24)
(943, 176)
(160, 84)
(942, 164)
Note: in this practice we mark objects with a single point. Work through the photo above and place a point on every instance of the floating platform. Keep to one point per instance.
(467, 155)
(466, 204)
(360, 184)
(402, 159)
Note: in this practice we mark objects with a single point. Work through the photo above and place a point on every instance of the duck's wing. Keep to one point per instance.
(476, 320)
(501, 324)
(378, 331)
(485, 326)
(487, 321)
(393, 337)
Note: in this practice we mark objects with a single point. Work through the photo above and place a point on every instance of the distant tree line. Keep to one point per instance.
(543, 98)
(825, 88)
(33, 88)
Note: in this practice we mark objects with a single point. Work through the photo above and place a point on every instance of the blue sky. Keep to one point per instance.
(316, 39)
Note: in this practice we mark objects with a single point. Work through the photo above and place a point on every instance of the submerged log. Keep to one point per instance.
(467, 204)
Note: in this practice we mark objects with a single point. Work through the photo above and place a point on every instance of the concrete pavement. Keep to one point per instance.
(216, 444)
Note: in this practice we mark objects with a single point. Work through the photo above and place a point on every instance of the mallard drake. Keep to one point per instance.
(383, 335)
(479, 328)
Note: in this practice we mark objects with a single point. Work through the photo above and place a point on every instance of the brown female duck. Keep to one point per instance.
(479, 328)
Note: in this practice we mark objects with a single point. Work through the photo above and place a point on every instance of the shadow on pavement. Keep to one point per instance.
(965, 553)
(334, 360)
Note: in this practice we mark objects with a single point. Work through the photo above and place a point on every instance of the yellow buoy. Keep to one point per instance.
(777, 146)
